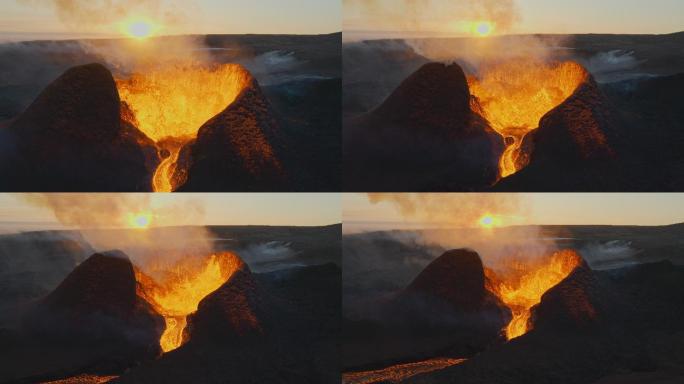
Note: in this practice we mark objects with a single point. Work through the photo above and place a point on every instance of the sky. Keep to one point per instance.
(532, 209)
(298, 209)
(89, 18)
(447, 17)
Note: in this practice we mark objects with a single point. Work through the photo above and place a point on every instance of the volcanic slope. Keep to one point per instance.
(93, 322)
(423, 137)
(446, 309)
(71, 138)
(236, 150)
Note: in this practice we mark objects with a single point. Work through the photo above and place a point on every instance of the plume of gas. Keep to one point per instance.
(97, 14)
(433, 16)
(127, 55)
(104, 221)
(472, 54)
(456, 217)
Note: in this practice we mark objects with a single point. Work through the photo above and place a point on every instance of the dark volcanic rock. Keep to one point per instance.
(653, 126)
(457, 277)
(237, 150)
(72, 139)
(452, 288)
(423, 137)
(434, 98)
(236, 310)
(93, 322)
(572, 304)
(445, 310)
(97, 302)
(574, 148)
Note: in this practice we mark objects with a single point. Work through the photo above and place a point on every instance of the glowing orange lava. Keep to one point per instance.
(520, 284)
(514, 95)
(178, 289)
(173, 102)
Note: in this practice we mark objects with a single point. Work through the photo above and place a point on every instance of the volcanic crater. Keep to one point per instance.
(479, 132)
(456, 306)
(181, 126)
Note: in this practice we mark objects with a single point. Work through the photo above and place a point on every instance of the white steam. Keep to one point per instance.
(108, 222)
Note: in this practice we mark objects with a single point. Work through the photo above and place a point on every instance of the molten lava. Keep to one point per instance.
(174, 101)
(514, 95)
(179, 288)
(520, 284)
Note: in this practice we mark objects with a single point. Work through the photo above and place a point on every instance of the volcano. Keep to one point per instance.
(456, 308)
(426, 123)
(447, 307)
(595, 326)
(211, 127)
(441, 130)
(97, 302)
(71, 138)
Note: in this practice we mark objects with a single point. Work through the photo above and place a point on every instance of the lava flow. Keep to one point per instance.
(520, 284)
(514, 95)
(171, 103)
(179, 288)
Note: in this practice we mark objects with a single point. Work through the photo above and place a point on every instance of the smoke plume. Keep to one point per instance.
(108, 221)
(452, 209)
(428, 15)
(97, 13)
(457, 218)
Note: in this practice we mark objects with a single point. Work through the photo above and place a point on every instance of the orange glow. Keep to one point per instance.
(514, 95)
(175, 101)
(181, 287)
(520, 284)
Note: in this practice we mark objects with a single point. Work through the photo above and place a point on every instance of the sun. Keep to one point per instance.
(489, 221)
(140, 220)
(482, 28)
(139, 28)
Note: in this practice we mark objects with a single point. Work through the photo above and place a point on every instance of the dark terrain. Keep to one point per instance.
(289, 285)
(620, 131)
(614, 319)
